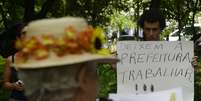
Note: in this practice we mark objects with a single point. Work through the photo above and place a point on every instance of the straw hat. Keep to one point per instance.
(60, 41)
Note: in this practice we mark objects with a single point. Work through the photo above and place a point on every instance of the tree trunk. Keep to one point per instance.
(155, 4)
(45, 8)
(71, 7)
(179, 19)
(180, 28)
(193, 19)
(29, 13)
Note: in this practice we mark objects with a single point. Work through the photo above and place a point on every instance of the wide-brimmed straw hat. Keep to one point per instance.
(60, 41)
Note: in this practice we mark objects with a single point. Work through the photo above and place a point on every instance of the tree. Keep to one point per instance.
(10, 12)
(95, 11)
(31, 14)
(194, 6)
(121, 21)
(176, 10)
(23, 10)
(155, 4)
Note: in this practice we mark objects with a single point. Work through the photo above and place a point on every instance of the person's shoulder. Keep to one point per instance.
(9, 58)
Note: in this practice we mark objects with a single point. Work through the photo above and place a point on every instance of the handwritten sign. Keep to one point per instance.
(151, 66)
(167, 95)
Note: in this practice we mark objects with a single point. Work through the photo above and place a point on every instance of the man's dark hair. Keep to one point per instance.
(152, 15)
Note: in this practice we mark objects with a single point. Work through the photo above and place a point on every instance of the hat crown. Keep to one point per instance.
(55, 26)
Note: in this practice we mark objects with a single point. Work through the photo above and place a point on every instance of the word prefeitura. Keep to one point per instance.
(152, 53)
(137, 58)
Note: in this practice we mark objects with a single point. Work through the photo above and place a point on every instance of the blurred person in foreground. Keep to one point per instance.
(58, 58)
(8, 51)
(152, 23)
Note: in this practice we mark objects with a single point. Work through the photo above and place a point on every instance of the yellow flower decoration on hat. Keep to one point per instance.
(98, 39)
(71, 42)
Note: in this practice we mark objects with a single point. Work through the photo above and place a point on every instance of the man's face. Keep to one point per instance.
(151, 31)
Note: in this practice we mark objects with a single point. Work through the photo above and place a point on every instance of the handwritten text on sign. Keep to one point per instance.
(154, 65)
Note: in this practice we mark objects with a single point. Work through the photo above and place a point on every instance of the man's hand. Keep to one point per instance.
(194, 62)
(18, 87)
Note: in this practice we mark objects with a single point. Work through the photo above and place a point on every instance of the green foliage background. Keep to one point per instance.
(197, 82)
(103, 13)
(107, 80)
(4, 94)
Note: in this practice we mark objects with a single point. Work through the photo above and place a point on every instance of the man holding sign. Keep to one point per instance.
(152, 23)
(146, 67)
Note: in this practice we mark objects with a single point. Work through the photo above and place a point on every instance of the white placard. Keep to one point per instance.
(150, 66)
(168, 95)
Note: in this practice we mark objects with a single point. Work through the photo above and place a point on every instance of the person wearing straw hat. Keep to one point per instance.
(58, 58)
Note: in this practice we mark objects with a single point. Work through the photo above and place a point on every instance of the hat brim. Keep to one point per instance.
(65, 60)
